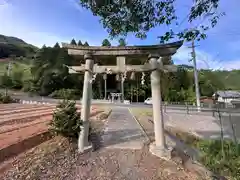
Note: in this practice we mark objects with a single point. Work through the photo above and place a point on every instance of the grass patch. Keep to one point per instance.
(138, 112)
(185, 137)
(224, 161)
(16, 67)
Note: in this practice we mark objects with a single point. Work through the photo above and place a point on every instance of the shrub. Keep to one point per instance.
(5, 99)
(66, 120)
(226, 162)
(64, 94)
(223, 161)
(6, 81)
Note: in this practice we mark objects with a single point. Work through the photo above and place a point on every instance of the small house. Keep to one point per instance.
(226, 96)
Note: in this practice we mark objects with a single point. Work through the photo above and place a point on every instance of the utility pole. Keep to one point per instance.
(137, 88)
(196, 77)
(9, 68)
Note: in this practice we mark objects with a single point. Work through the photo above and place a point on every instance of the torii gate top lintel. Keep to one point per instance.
(160, 50)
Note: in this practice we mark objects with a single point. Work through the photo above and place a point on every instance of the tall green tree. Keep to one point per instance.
(86, 44)
(106, 42)
(49, 71)
(79, 43)
(209, 83)
(56, 45)
(122, 42)
(139, 17)
(73, 42)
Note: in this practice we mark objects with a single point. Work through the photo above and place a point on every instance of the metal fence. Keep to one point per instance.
(205, 109)
(228, 117)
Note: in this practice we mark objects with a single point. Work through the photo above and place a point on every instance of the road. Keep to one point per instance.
(173, 107)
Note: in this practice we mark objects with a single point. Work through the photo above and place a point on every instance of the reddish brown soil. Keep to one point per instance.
(24, 128)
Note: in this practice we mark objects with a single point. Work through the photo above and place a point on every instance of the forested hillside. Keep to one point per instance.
(12, 46)
(47, 75)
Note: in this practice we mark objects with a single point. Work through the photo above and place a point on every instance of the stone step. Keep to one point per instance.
(27, 117)
(8, 105)
(21, 106)
(15, 105)
(12, 127)
(23, 118)
(24, 110)
(17, 141)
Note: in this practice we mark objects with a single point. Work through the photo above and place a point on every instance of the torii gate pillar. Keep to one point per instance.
(83, 143)
(158, 148)
(121, 62)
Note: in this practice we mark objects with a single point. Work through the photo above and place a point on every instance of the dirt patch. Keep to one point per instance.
(13, 143)
(58, 159)
(41, 160)
(24, 134)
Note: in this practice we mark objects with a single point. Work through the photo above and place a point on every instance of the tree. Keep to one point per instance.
(106, 42)
(17, 80)
(66, 119)
(79, 43)
(122, 42)
(139, 17)
(73, 42)
(86, 44)
(56, 45)
(6, 81)
(49, 71)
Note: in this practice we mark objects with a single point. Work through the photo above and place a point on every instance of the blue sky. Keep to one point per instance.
(49, 21)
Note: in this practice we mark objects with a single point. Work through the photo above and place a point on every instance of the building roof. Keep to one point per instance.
(228, 94)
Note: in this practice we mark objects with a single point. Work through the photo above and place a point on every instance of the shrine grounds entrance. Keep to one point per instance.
(154, 56)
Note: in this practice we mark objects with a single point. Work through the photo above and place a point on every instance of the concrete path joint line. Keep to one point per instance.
(145, 134)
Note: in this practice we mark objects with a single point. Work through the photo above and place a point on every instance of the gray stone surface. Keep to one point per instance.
(207, 127)
(123, 131)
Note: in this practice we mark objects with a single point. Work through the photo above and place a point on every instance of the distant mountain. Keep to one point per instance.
(186, 67)
(11, 40)
(13, 46)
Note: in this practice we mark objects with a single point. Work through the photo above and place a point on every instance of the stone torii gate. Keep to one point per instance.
(156, 54)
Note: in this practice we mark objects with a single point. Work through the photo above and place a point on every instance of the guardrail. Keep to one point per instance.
(207, 110)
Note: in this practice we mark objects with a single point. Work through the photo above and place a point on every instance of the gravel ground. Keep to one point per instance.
(58, 159)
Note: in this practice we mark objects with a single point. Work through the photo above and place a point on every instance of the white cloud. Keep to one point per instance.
(76, 5)
(3, 2)
(11, 26)
(234, 46)
(205, 60)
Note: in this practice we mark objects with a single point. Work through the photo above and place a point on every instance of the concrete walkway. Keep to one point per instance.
(123, 131)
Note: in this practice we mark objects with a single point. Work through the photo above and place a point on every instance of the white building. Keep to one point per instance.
(226, 96)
